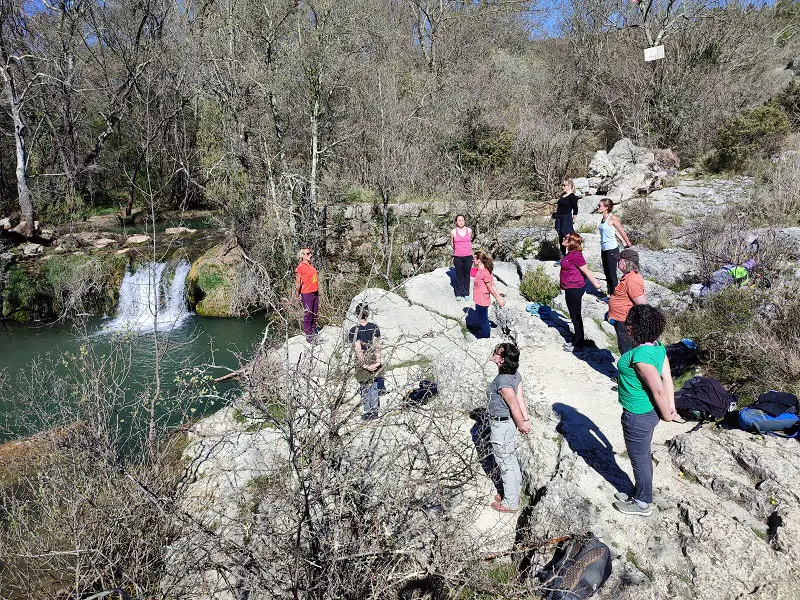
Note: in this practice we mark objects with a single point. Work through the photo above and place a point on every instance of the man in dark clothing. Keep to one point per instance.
(566, 208)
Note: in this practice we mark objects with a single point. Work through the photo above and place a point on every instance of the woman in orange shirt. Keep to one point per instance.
(306, 282)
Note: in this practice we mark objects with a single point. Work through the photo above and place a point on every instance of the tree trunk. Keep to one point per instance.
(312, 177)
(132, 186)
(23, 191)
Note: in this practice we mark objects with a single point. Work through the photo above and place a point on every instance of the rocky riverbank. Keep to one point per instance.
(725, 524)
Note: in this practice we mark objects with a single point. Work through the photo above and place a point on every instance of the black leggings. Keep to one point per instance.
(561, 246)
(609, 258)
(462, 265)
(574, 297)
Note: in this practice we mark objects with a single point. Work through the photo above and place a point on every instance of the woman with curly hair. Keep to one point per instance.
(646, 393)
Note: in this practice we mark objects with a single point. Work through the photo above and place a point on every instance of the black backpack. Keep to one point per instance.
(580, 567)
(703, 398)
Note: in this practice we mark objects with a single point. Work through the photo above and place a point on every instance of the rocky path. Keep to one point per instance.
(726, 523)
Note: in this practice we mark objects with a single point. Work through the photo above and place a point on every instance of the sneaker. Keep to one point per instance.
(631, 507)
(622, 496)
(569, 347)
(557, 263)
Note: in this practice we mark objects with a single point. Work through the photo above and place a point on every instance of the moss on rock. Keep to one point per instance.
(62, 284)
(211, 282)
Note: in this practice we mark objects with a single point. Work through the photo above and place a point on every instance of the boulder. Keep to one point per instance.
(7, 223)
(211, 282)
(178, 231)
(137, 240)
(601, 166)
(32, 249)
(625, 153)
(671, 266)
(507, 273)
(103, 243)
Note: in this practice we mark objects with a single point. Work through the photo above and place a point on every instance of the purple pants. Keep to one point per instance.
(310, 310)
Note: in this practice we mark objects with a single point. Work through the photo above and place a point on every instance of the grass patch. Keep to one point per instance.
(587, 228)
(502, 573)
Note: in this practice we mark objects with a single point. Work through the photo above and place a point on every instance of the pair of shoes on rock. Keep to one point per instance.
(498, 506)
(630, 506)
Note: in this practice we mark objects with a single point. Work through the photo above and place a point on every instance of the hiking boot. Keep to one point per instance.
(631, 507)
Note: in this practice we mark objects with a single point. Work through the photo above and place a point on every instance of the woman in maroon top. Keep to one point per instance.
(573, 271)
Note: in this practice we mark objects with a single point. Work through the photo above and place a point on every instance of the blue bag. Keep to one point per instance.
(757, 421)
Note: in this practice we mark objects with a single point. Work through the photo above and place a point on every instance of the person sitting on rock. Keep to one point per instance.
(507, 413)
(610, 228)
(629, 291)
(573, 270)
(461, 238)
(482, 291)
(645, 392)
(366, 340)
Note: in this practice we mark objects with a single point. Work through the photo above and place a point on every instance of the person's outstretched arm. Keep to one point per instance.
(493, 291)
(298, 285)
(588, 274)
(618, 226)
(654, 383)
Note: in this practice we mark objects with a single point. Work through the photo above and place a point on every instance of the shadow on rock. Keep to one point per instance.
(600, 359)
(589, 442)
(481, 433)
(451, 274)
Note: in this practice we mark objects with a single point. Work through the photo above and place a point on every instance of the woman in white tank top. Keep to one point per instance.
(610, 228)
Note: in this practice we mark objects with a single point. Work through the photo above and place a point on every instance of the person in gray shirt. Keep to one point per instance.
(507, 413)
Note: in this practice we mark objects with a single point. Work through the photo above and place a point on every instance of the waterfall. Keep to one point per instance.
(148, 302)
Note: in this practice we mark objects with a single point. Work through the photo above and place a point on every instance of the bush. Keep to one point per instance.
(753, 133)
(536, 286)
(748, 338)
(776, 198)
(789, 101)
(647, 226)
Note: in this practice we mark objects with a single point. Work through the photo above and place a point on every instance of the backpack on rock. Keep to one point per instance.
(580, 567)
(703, 398)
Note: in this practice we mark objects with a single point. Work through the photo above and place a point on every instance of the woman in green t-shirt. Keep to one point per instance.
(645, 386)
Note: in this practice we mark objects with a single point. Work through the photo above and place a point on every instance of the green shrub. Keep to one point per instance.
(753, 133)
(748, 338)
(789, 101)
(536, 286)
(549, 250)
(587, 228)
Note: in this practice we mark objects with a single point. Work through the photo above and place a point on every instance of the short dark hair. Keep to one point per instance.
(510, 354)
(362, 310)
(645, 323)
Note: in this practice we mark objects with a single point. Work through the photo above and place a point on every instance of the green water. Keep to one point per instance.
(42, 366)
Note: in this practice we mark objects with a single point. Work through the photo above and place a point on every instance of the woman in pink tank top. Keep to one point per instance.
(461, 238)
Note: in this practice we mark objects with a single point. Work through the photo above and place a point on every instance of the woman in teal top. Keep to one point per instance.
(645, 392)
